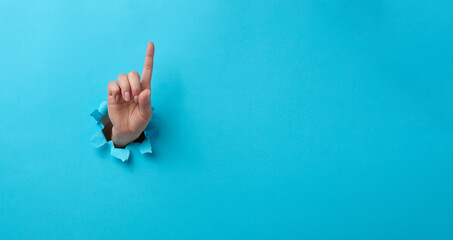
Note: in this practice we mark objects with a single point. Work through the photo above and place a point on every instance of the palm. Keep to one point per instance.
(126, 117)
(129, 102)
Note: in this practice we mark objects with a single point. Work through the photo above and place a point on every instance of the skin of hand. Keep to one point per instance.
(129, 102)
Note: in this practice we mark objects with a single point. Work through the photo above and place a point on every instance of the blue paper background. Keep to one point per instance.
(278, 120)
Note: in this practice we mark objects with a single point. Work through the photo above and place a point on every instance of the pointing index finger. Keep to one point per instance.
(148, 67)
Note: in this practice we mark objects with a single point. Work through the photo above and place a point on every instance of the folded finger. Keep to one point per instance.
(134, 82)
(123, 82)
(113, 92)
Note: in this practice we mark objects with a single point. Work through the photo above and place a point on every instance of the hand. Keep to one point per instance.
(129, 102)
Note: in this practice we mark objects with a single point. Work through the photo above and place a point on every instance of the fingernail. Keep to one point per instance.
(136, 99)
(117, 98)
(127, 96)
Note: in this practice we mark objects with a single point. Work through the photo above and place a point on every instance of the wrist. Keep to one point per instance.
(121, 140)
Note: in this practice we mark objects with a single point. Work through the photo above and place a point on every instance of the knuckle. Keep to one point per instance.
(123, 82)
(122, 77)
(112, 86)
(133, 74)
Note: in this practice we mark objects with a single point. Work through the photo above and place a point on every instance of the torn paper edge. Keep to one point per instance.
(123, 154)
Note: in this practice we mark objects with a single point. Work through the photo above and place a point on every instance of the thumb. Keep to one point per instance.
(144, 104)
